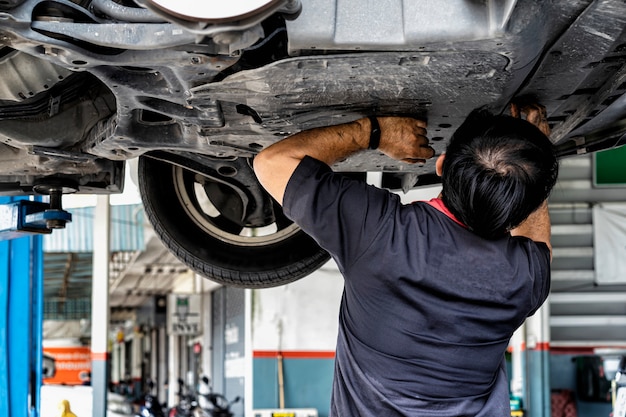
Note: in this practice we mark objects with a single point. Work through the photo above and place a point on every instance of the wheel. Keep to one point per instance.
(216, 218)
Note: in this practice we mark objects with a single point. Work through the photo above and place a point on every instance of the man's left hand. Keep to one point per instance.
(404, 139)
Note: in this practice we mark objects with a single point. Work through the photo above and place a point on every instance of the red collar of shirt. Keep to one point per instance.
(438, 204)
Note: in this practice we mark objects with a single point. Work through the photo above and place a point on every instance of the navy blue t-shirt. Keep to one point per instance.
(428, 307)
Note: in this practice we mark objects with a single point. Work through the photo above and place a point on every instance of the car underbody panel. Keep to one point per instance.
(86, 85)
(157, 84)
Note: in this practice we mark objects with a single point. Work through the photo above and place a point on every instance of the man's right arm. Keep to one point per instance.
(402, 138)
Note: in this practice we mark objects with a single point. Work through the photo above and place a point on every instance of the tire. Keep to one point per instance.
(206, 238)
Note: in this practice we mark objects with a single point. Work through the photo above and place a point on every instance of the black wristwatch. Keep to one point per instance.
(374, 133)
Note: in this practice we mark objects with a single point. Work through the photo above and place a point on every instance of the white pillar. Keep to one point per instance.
(162, 371)
(115, 364)
(183, 359)
(154, 357)
(123, 370)
(137, 356)
(207, 334)
(100, 304)
(172, 370)
(248, 385)
(538, 362)
(518, 364)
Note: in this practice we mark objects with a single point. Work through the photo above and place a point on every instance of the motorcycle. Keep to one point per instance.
(220, 406)
(189, 406)
(187, 403)
(150, 406)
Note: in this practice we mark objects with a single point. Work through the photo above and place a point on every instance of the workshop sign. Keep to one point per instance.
(72, 365)
(184, 314)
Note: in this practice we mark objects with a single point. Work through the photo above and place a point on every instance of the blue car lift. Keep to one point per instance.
(21, 305)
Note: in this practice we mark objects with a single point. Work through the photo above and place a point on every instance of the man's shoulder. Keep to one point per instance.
(307, 170)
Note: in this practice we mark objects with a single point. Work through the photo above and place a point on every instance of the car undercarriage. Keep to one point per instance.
(196, 90)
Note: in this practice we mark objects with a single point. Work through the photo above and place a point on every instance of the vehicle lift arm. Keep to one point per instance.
(24, 217)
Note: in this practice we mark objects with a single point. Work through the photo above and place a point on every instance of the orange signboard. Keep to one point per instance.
(72, 365)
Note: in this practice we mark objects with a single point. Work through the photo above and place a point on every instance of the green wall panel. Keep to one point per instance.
(610, 167)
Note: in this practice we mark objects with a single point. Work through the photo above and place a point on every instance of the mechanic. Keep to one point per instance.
(433, 290)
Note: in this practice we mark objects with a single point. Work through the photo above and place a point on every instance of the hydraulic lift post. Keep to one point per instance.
(21, 301)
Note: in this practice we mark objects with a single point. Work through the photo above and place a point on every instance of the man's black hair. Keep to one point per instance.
(497, 170)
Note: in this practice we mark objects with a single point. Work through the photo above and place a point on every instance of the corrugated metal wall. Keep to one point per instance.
(127, 230)
(583, 313)
(68, 258)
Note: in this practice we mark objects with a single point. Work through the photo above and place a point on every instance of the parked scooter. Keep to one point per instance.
(150, 406)
(220, 406)
(187, 403)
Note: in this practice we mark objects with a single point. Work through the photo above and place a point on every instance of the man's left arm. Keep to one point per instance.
(537, 225)
(401, 138)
